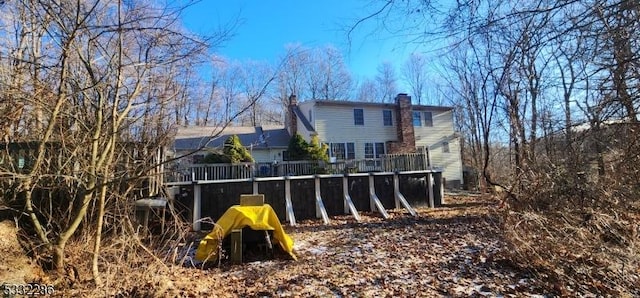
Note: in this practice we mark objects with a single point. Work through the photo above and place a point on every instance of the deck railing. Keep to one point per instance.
(386, 163)
(405, 162)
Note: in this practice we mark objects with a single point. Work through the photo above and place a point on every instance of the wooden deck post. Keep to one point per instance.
(197, 205)
(429, 181)
(255, 186)
(291, 218)
(443, 182)
(236, 246)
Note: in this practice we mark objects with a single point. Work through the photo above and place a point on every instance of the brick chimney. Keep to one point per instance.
(292, 120)
(406, 142)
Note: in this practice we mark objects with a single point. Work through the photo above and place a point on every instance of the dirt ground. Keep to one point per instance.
(15, 268)
(448, 251)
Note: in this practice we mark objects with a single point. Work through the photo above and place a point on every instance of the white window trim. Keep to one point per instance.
(413, 118)
(375, 150)
(424, 118)
(346, 149)
(354, 116)
(391, 118)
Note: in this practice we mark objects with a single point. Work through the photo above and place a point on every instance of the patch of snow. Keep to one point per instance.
(318, 250)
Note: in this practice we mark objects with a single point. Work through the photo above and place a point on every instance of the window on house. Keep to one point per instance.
(310, 116)
(417, 120)
(379, 149)
(337, 150)
(351, 151)
(428, 119)
(445, 147)
(342, 150)
(386, 118)
(373, 150)
(358, 117)
(368, 150)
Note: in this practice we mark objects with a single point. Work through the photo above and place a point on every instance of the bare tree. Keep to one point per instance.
(230, 84)
(367, 91)
(556, 84)
(327, 76)
(254, 75)
(386, 80)
(414, 72)
(102, 96)
(292, 74)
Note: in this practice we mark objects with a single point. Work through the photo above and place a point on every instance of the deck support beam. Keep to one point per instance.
(291, 218)
(429, 180)
(349, 207)
(399, 198)
(197, 204)
(321, 212)
(255, 186)
(374, 202)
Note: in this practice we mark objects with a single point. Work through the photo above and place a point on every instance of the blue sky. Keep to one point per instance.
(266, 26)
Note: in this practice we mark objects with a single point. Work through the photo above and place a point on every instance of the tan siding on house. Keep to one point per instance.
(269, 155)
(335, 124)
(449, 162)
(302, 130)
(433, 137)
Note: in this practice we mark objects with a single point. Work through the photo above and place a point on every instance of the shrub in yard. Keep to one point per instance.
(216, 157)
(234, 150)
(318, 151)
(577, 232)
(298, 148)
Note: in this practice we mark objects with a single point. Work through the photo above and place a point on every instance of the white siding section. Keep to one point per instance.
(260, 155)
(335, 124)
(302, 130)
(433, 137)
(264, 155)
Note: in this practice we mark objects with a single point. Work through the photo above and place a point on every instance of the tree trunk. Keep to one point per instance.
(96, 248)
(58, 256)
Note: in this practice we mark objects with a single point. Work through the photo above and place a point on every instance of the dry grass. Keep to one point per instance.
(579, 252)
(581, 235)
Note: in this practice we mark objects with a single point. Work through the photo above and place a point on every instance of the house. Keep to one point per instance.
(265, 143)
(362, 130)
(592, 148)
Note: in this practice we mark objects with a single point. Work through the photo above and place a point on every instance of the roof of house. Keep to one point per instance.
(585, 126)
(261, 137)
(303, 119)
(373, 104)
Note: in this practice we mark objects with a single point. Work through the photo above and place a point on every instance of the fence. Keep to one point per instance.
(405, 162)
(387, 163)
(312, 196)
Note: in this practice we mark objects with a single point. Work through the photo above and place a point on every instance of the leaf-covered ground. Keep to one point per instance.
(453, 251)
(450, 251)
